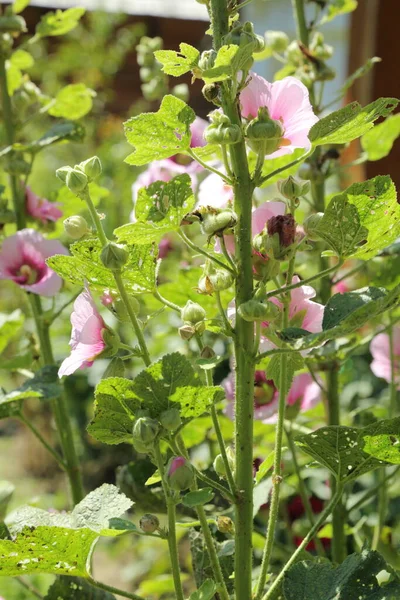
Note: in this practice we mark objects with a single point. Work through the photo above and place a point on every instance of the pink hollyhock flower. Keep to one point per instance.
(287, 101)
(304, 390)
(40, 208)
(303, 312)
(197, 129)
(213, 191)
(87, 335)
(380, 349)
(23, 260)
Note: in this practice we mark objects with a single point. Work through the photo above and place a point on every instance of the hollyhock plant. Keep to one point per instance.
(87, 340)
(287, 101)
(303, 312)
(40, 208)
(23, 260)
(380, 350)
(304, 390)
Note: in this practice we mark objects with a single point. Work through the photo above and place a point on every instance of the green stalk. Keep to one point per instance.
(301, 24)
(313, 531)
(113, 590)
(118, 280)
(44, 443)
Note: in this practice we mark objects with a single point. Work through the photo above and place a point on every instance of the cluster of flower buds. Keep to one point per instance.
(155, 82)
(179, 473)
(193, 317)
(292, 189)
(264, 134)
(244, 36)
(78, 177)
(221, 130)
(219, 464)
(276, 41)
(309, 63)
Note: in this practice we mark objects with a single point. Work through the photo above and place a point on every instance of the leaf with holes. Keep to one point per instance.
(114, 411)
(159, 209)
(229, 60)
(341, 306)
(72, 588)
(338, 448)
(294, 362)
(382, 440)
(355, 578)
(196, 400)
(44, 384)
(378, 142)
(350, 122)
(178, 63)
(160, 135)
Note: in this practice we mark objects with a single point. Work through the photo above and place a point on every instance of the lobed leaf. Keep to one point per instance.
(44, 384)
(195, 400)
(339, 7)
(178, 63)
(341, 306)
(378, 142)
(73, 102)
(59, 22)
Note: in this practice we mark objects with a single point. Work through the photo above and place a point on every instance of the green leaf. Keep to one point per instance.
(6, 492)
(340, 227)
(19, 5)
(72, 588)
(160, 135)
(114, 409)
(339, 7)
(14, 78)
(355, 578)
(55, 550)
(122, 525)
(294, 362)
(273, 164)
(195, 401)
(159, 209)
(10, 324)
(21, 59)
(206, 591)
(378, 142)
(382, 440)
(60, 132)
(350, 122)
(178, 63)
(73, 102)
(360, 72)
(198, 497)
(59, 22)
(341, 306)
(338, 449)
(45, 384)
(85, 265)
(265, 466)
(230, 59)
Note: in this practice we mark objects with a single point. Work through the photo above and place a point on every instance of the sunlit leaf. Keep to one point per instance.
(382, 440)
(339, 7)
(178, 63)
(378, 142)
(59, 22)
(73, 102)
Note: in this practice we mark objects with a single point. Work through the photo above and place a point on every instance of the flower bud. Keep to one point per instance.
(277, 41)
(62, 173)
(207, 352)
(192, 312)
(114, 256)
(225, 525)
(253, 310)
(11, 23)
(292, 189)
(140, 447)
(171, 419)
(180, 475)
(200, 327)
(186, 332)
(149, 523)
(145, 430)
(264, 134)
(221, 130)
(285, 227)
(91, 167)
(310, 226)
(294, 54)
(76, 227)
(319, 49)
(219, 464)
(217, 222)
(75, 180)
(244, 35)
(207, 60)
(116, 368)
(210, 92)
(112, 342)
(215, 282)
(264, 267)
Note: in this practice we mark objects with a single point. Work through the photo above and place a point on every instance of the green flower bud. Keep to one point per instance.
(211, 93)
(140, 447)
(186, 332)
(62, 173)
(146, 74)
(310, 226)
(292, 189)
(207, 352)
(149, 523)
(180, 475)
(264, 134)
(171, 419)
(14, 24)
(215, 282)
(192, 313)
(253, 310)
(145, 430)
(325, 73)
(76, 181)
(217, 222)
(114, 256)
(278, 41)
(225, 525)
(207, 60)
(181, 91)
(91, 167)
(219, 464)
(294, 54)
(264, 267)
(116, 368)
(112, 341)
(319, 49)
(243, 35)
(76, 227)
(223, 134)
(200, 327)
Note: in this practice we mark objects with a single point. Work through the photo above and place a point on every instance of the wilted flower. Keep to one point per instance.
(40, 208)
(304, 390)
(23, 260)
(288, 102)
(87, 340)
(381, 365)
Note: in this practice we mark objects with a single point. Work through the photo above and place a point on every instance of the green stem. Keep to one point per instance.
(371, 493)
(209, 167)
(55, 315)
(301, 24)
(41, 439)
(263, 180)
(222, 312)
(313, 531)
(303, 490)
(293, 286)
(113, 590)
(200, 250)
(30, 588)
(166, 302)
(226, 253)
